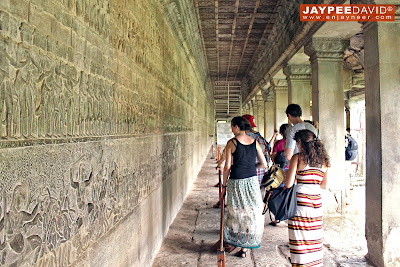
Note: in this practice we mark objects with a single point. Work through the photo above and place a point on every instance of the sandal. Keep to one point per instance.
(241, 253)
(217, 206)
(274, 223)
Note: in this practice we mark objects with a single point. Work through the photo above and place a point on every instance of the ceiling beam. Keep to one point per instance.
(232, 37)
(271, 20)
(248, 35)
(217, 34)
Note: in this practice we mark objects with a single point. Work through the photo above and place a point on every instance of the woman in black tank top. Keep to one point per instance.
(244, 223)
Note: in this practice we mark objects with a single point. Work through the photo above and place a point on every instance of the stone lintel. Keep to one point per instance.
(282, 89)
(358, 80)
(259, 98)
(267, 95)
(325, 48)
(254, 103)
(298, 72)
(278, 83)
(357, 93)
(262, 83)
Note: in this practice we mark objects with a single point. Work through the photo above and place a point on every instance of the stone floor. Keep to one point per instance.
(196, 228)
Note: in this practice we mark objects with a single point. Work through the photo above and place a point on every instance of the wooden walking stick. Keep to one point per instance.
(221, 250)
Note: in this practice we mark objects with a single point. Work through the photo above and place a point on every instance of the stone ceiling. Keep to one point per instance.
(234, 32)
(247, 42)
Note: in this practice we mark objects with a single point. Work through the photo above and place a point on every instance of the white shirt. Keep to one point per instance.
(291, 143)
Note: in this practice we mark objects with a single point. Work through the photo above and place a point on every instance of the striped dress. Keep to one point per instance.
(305, 229)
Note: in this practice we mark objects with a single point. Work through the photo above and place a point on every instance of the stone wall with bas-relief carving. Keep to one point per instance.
(105, 117)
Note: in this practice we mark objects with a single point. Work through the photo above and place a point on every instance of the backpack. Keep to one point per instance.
(351, 148)
(273, 177)
(282, 160)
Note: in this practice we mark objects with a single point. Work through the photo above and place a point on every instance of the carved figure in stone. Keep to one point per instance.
(42, 72)
(48, 86)
(83, 105)
(108, 104)
(114, 193)
(6, 98)
(15, 96)
(114, 99)
(118, 107)
(102, 116)
(5, 103)
(60, 95)
(131, 111)
(91, 104)
(75, 80)
(26, 92)
(98, 110)
(70, 81)
(125, 111)
(35, 85)
(16, 219)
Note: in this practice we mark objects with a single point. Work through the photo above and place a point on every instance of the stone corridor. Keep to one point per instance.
(196, 228)
(108, 109)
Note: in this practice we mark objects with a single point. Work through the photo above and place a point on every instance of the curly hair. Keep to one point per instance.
(312, 149)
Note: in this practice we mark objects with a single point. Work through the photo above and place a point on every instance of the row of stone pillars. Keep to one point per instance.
(324, 78)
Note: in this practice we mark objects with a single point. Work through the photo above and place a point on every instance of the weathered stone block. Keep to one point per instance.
(19, 8)
(40, 20)
(26, 33)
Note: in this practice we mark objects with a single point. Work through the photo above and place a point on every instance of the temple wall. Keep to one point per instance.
(106, 117)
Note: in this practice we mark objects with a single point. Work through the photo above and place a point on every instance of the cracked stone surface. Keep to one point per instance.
(196, 228)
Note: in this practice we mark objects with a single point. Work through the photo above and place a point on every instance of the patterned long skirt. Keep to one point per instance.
(305, 231)
(244, 222)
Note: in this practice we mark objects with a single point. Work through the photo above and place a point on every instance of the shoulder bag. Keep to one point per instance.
(281, 202)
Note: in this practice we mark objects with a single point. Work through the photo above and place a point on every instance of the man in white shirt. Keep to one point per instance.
(293, 112)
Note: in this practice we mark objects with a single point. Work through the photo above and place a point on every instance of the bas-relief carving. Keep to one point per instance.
(51, 219)
(45, 96)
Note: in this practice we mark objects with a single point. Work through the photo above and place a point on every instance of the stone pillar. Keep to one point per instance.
(250, 108)
(281, 102)
(382, 87)
(269, 113)
(326, 56)
(255, 109)
(246, 109)
(299, 87)
(261, 115)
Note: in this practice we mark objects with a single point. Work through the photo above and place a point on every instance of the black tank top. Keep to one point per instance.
(244, 161)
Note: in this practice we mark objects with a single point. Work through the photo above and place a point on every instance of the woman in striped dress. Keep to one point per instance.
(305, 229)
